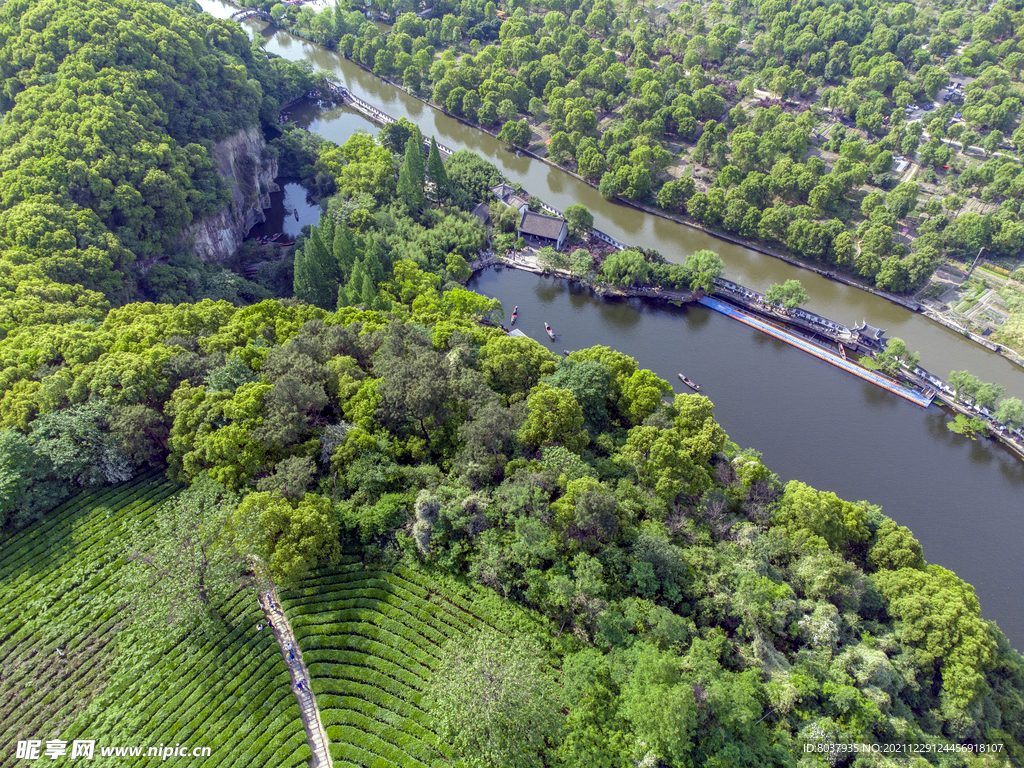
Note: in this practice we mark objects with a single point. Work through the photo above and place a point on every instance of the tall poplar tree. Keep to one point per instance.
(360, 289)
(373, 263)
(345, 250)
(412, 177)
(438, 175)
(316, 270)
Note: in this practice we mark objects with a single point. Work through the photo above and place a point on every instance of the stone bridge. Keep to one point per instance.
(345, 95)
(252, 13)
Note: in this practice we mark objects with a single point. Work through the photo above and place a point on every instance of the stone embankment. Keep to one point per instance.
(1006, 352)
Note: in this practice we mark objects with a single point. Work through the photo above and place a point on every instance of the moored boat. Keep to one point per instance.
(566, 352)
(690, 384)
(550, 332)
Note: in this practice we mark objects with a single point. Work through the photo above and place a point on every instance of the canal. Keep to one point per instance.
(811, 421)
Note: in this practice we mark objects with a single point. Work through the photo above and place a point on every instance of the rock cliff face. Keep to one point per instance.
(250, 179)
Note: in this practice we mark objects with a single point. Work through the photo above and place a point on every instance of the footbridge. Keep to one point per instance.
(922, 399)
(252, 13)
(343, 94)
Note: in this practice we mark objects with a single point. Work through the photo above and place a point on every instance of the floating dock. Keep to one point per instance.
(822, 354)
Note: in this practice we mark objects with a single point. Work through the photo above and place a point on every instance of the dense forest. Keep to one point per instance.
(783, 124)
(698, 610)
(110, 111)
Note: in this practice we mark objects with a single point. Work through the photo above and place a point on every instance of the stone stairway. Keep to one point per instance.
(315, 733)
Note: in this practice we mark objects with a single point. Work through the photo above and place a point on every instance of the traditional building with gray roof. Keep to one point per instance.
(538, 229)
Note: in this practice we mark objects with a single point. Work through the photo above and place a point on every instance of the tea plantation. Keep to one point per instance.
(371, 638)
(67, 673)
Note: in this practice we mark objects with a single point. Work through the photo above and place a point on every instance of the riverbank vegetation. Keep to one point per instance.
(105, 151)
(874, 141)
(377, 435)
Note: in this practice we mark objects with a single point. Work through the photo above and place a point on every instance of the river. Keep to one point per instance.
(812, 422)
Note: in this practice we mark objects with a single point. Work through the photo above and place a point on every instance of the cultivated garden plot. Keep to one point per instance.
(371, 638)
(67, 674)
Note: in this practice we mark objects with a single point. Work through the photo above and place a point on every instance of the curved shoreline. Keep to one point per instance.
(909, 304)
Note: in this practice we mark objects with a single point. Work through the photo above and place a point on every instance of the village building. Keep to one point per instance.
(483, 213)
(870, 337)
(538, 229)
(511, 198)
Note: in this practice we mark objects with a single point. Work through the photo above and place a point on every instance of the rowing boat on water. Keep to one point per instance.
(515, 314)
(550, 332)
(690, 384)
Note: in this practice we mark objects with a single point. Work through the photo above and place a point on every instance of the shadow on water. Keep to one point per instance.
(619, 313)
(764, 340)
(876, 397)
(549, 289)
(812, 422)
(1012, 470)
(981, 451)
(281, 214)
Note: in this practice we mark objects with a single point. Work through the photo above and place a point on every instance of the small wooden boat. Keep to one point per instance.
(690, 384)
(550, 332)
(566, 352)
(296, 214)
(515, 314)
(291, 243)
(273, 238)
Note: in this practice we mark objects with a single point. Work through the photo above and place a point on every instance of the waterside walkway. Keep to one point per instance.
(822, 354)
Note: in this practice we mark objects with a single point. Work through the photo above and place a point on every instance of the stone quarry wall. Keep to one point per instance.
(250, 180)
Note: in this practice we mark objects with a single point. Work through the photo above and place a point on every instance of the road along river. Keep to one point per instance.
(812, 422)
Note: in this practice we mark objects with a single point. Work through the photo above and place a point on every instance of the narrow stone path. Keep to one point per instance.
(315, 733)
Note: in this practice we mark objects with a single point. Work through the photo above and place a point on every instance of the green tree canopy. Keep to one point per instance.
(492, 699)
(790, 294)
(289, 538)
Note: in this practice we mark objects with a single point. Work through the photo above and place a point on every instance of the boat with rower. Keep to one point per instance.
(690, 384)
(515, 314)
(550, 332)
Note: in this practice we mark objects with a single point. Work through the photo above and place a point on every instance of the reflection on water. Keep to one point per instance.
(281, 214)
(814, 423)
(335, 122)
